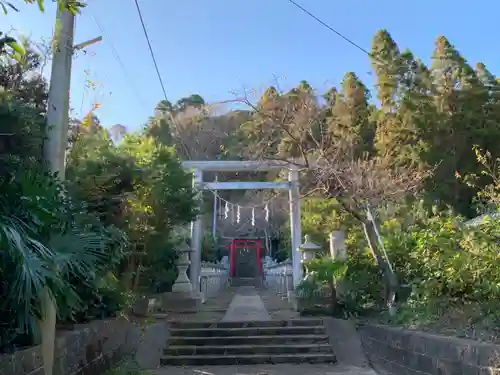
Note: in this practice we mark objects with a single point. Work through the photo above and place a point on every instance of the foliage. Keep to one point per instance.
(448, 267)
(324, 274)
(47, 237)
(159, 271)
(139, 186)
(451, 268)
(364, 282)
(89, 238)
(440, 258)
(23, 95)
(10, 46)
(409, 144)
(209, 251)
(319, 217)
(53, 242)
(488, 198)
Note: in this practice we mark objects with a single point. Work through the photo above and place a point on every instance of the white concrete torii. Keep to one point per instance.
(198, 167)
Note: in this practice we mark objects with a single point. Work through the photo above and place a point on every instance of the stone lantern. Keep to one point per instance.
(308, 250)
(182, 298)
(182, 283)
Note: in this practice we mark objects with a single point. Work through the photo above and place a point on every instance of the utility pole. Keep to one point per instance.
(58, 102)
(59, 92)
(54, 149)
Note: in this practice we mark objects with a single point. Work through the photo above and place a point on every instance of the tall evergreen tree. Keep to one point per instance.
(385, 59)
(458, 124)
(349, 117)
(402, 88)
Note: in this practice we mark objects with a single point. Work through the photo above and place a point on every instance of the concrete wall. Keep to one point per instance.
(397, 351)
(93, 349)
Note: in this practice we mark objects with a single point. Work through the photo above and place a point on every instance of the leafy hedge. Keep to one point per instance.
(93, 240)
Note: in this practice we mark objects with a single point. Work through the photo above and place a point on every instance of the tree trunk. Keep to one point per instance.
(127, 279)
(137, 275)
(333, 297)
(390, 278)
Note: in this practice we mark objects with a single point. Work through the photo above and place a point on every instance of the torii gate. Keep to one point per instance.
(292, 185)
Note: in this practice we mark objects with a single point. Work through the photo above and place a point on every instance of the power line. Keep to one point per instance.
(159, 75)
(120, 62)
(317, 19)
(150, 48)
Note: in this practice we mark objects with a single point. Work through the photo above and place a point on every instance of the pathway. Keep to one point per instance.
(246, 306)
(213, 310)
(251, 304)
(284, 369)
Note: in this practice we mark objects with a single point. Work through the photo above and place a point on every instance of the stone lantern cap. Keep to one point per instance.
(184, 248)
(308, 245)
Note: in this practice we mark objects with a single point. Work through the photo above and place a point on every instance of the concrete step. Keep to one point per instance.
(247, 331)
(268, 323)
(246, 359)
(184, 350)
(255, 342)
(246, 281)
(249, 340)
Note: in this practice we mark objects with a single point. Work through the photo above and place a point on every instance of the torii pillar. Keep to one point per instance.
(233, 165)
(196, 237)
(295, 226)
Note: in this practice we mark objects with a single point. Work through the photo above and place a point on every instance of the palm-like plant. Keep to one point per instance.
(325, 274)
(48, 240)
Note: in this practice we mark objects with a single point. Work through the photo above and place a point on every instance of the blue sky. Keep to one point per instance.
(215, 47)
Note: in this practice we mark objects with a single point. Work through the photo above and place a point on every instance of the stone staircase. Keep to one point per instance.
(244, 343)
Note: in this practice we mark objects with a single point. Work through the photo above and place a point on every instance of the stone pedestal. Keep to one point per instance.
(144, 306)
(180, 302)
(182, 283)
(291, 297)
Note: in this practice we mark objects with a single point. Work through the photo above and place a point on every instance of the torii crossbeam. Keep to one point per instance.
(292, 185)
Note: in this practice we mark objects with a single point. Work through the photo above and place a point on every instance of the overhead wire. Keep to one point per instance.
(153, 57)
(332, 29)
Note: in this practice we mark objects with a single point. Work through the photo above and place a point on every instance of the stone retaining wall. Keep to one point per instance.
(93, 349)
(398, 351)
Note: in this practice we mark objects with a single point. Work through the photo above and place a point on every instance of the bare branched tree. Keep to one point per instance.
(296, 128)
(202, 132)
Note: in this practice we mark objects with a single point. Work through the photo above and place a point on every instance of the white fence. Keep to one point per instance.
(279, 277)
(213, 278)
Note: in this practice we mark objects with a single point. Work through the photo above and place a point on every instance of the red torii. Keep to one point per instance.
(242, 244)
